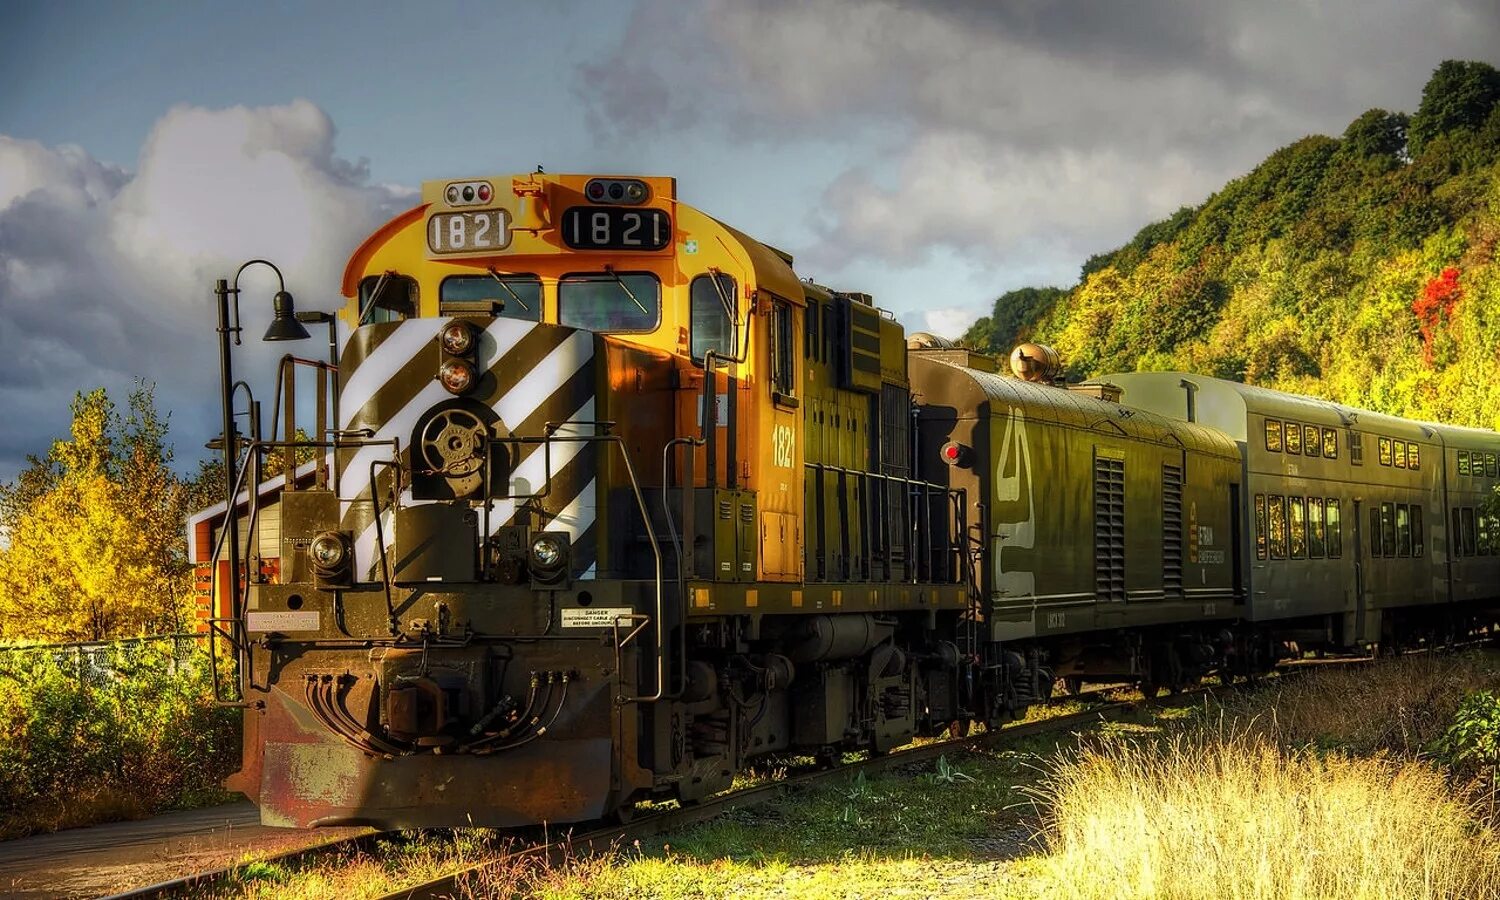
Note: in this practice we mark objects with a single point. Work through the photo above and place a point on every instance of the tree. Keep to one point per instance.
(1458, 96)
(97, 547)
(1377, 134)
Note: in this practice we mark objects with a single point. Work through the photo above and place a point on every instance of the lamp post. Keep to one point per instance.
(332, 321)
(284, 327)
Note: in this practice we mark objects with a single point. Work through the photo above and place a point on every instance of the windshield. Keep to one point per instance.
(519, 296)
(610, 302)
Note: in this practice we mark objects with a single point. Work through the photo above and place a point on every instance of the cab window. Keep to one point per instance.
(711, 319)
(783, 371)
(387, 298)
(609, 301)
(514, 296)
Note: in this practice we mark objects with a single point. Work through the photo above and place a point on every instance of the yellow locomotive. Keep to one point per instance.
(558, 558)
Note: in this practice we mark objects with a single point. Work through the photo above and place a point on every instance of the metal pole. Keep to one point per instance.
(231, 457)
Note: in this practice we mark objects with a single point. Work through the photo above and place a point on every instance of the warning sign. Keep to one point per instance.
(595, 616)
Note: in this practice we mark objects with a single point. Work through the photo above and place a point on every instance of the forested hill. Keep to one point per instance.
(1360, 268)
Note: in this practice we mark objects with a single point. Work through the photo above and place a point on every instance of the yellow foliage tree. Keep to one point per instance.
(95, 535)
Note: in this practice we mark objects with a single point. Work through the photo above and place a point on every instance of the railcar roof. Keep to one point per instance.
(1163, 392)
(967, 389)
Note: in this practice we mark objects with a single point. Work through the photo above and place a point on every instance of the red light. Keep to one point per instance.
(951, 451)
(596, 191)
(484, 192)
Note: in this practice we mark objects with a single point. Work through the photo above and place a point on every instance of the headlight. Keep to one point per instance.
(328, 551)
(458, 338)
(457, 375)
(547, 552)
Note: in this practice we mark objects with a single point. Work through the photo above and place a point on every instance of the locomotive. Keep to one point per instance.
(607, 501)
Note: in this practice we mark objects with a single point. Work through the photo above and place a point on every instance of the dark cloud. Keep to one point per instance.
(1014, 131)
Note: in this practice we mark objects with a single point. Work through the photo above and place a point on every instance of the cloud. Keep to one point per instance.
(1026, 134)
(107, 275)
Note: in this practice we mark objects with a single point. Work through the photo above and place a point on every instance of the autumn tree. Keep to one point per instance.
(95, 530)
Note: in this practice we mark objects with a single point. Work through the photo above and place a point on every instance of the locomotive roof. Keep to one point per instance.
(967, 390)
(1228, 405)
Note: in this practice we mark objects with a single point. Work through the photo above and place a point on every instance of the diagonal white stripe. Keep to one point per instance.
(545, 378)
(388, 359)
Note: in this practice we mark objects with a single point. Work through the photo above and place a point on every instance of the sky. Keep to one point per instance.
(934, 154)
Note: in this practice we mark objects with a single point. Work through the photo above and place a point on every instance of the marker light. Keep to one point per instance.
(616, 191)
(458, 338)
(453, 193)
(457, 375)
(635, 191)
(484, 192)
(327, 551)
(468, 192)
(596, 190)
(955, 454)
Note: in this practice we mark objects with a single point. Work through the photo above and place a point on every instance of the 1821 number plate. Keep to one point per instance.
(469, 232)
(614, 228)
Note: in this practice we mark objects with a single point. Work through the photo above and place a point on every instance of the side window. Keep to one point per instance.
(813, 343)
(783, 369)
(1278, 527)
(1335, 535)
(1468, 531)
(711, 318)
(387, 298)
(1418, 535)
(1463, 462)
(1403, 530)
(1293, 438)
(1387, 529)
(1385, 451)
(1375, 542)
(1273, 436)
(515, 296)
(1413, 456)
(1330, 443)
(1310, 440)
(1456, 537)
(1491, 465)
(1260, 526)
(1298, 512)
(1356, 448)
(1401, 454)
(1317, 534)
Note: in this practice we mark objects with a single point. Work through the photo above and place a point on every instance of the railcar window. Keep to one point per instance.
(711, 316)
(783, 376)
(1418, 534)
(1463, 462)
(1387, 529)
(1456, 537)
(1468, 531)
(1403, 530)
(1335, 535)
(1491, 465)
(1317, 529)
(1293, 438)
(387, 298)
(1413, 456)
(1298, 528)
(1260, 526)
(517, 296)
(1401, 454)
(1375, 544)
(1273, 436)
(1278, 527)
(1482, 522)
(1385, 451)
(1310, 440)
(1330, 443)
(609, 302)
(1356, 448)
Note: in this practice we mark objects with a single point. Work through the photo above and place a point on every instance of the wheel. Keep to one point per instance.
(1073, 684)
(826, 757)
(621, 815)
(1150, 689)
(958, 728)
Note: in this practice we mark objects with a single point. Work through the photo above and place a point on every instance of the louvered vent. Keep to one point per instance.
(1109, 528)
(1171, 530)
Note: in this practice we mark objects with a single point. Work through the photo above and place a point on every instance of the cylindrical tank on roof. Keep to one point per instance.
(924, 340)
(1035, 362)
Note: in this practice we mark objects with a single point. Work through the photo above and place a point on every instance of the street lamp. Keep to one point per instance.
(284, 327)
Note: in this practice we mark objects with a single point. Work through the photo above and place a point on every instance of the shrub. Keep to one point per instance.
(122, 732)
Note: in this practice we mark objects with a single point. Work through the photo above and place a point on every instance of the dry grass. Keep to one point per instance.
(1211, 816)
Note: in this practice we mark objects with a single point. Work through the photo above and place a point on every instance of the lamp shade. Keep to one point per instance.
(284, 326)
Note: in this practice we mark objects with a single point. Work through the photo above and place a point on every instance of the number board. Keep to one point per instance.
(469, 232)
(614, 228)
